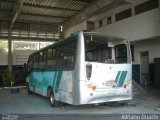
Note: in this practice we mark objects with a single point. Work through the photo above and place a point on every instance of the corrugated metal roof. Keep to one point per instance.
(47, 11)
(5, 16)
(36, 18)
(6, 9)
(67, 4)
(6, 6)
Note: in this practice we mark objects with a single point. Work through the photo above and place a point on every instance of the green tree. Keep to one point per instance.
(3, 44)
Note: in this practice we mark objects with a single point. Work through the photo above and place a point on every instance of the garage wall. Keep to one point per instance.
(75, 28)
(141, 26)
(151, 45)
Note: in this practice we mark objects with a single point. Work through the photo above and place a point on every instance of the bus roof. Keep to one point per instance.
(108, 37)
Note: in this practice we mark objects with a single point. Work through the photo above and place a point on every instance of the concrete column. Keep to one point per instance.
(133, 10)
(9, 51)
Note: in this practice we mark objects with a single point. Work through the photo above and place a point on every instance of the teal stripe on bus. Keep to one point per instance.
(122, 78)
(58, 80)
(116, 80)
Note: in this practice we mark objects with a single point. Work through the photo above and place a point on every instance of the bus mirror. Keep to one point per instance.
(110, 44)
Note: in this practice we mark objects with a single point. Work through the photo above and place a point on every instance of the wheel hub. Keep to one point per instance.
(52, 99)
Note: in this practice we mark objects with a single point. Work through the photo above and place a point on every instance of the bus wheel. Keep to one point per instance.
(52, 100)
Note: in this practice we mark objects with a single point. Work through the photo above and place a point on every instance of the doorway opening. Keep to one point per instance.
(144, 68)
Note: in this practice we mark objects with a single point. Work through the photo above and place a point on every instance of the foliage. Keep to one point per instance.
(26, 45)
(3, 44)
(7, 78)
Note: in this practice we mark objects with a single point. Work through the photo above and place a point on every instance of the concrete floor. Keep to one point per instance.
(22, 103)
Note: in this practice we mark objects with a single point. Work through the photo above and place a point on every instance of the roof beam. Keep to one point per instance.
(98, 7)
(79, 1)
(41, 18)
(38, 23)
(74, 1)
(31, 22)
(49, 16)
(49, 7)
(31, 39)
(31, 14)
(17, 9)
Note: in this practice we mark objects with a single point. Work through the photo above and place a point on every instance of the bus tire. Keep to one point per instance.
(52, 100)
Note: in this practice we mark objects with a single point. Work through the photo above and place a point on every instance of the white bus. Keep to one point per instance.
(85, 68)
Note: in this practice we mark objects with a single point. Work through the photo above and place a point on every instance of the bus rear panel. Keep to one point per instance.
(107, 74)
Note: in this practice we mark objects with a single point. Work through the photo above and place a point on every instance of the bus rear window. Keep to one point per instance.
(105, 49)
(121, 53)
(97, 51)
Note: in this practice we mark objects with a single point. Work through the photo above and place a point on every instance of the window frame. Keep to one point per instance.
(146, 6)
(121, 57)
(122, 15)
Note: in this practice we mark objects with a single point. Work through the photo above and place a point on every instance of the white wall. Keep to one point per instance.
(141, 26)
(151, 45)
(79, 27)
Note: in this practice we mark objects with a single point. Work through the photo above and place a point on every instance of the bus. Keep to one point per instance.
(84, 68)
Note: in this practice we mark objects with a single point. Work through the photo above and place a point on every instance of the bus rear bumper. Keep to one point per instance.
(101, 97)
(108, 99)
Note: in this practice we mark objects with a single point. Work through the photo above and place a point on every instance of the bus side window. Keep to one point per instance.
(42, 60)
(68, 62)
(66, 57)
(51, 58)
(60, 58)
(69, 59)
(35, 61)
(50, 54)
(41, 57)
(29, 65)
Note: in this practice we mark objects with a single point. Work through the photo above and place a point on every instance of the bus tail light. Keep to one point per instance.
(88, 70)
(127, 84)
(94, 87)
(91, 86)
